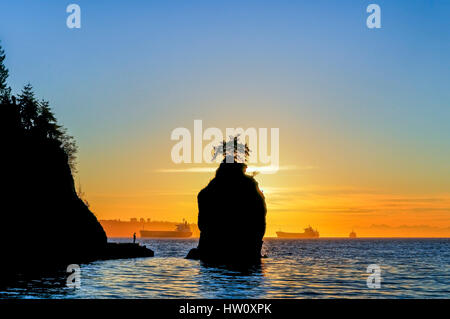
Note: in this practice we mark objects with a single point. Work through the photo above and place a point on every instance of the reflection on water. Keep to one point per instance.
(325, 268)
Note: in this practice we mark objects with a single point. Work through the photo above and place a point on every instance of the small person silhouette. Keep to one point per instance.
(134, 238)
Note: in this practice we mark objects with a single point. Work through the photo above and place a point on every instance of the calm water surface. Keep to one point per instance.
(323, 268)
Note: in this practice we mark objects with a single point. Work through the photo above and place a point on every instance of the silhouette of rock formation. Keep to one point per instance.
(43, 222)
(231, 219)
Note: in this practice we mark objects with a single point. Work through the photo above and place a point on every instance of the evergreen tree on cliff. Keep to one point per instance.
(28, 107)
(4, 89)
(46, 123)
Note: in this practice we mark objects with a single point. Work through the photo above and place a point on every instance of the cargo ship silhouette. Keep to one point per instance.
(183, 230)
(308, 233)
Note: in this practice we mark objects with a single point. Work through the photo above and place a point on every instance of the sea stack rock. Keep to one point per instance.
(231, 219)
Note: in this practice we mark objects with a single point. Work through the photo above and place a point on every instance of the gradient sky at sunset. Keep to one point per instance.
(363, 114)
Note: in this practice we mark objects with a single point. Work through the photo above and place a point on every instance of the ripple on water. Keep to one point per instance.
(325, 268)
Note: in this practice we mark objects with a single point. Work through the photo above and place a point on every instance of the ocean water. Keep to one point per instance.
(321, 268)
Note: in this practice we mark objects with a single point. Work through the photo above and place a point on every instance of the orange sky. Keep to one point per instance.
(335, 195)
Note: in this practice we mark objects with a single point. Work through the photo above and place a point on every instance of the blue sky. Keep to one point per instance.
(140, 61)
(137, 62)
